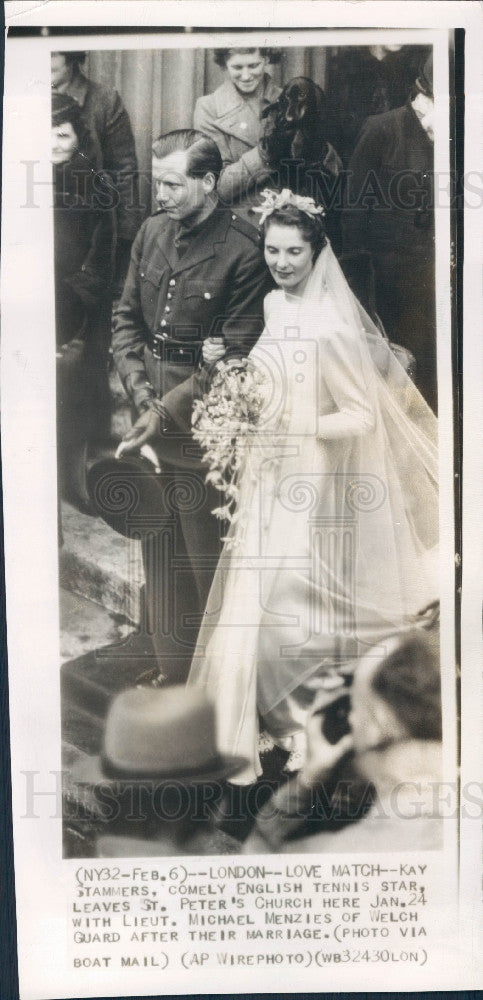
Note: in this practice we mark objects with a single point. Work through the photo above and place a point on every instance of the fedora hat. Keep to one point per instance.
(165, 735)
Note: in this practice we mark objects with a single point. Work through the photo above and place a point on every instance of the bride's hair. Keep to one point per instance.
(310, 226)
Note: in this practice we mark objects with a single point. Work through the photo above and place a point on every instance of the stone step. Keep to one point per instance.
(85, 625)
(100, 565)
(90, 681)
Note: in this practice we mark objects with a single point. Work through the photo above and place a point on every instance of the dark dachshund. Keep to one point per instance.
(295, 125)
(296, 148)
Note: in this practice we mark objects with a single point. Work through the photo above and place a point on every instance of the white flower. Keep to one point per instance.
(274, 200)
(223, 421)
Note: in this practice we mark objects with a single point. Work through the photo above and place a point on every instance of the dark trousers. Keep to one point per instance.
(181, 545)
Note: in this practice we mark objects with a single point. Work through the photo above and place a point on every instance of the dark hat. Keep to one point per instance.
(122, 488)
(165, 735)
(132, 485)
(424, 82)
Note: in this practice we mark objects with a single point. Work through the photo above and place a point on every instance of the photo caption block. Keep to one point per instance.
(156, 915)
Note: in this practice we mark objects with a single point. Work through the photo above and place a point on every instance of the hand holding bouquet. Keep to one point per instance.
(223, 422)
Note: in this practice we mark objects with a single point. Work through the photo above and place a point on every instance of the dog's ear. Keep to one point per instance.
(270, 109)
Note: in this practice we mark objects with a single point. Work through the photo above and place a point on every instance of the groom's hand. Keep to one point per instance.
(146, 427)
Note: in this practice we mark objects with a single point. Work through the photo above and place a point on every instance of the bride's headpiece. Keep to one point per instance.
(274, 200)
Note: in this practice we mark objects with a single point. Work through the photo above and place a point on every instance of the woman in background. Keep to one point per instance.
(84, 248)
(231, 115)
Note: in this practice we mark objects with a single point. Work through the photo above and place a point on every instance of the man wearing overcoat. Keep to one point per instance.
(195, 285)
(112, 139)
(390, 213)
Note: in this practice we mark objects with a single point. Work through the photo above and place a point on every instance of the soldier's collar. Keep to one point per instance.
(188, 231)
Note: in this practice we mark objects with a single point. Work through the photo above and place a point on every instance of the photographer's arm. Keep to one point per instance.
(286, 813)
(322, 757)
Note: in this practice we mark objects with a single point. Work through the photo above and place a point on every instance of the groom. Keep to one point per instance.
(196, 273)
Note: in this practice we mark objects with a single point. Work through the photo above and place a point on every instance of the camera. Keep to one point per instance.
(335, 722)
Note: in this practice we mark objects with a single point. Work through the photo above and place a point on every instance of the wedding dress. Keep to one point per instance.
(334, 545)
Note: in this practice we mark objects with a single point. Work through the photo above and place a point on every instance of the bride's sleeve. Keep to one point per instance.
(344, 368)
(267, 306)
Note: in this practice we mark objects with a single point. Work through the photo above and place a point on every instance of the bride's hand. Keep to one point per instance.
(213, 350)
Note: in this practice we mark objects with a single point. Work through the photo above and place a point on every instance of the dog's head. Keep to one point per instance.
(301, 102)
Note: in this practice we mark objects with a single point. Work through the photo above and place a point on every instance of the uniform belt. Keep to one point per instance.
(176, 351)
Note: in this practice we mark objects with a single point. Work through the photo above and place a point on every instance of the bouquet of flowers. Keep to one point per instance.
(223, 422)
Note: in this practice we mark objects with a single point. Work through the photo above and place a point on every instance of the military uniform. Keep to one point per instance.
(184, 286)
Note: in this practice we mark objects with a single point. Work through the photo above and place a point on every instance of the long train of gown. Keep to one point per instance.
(334, 545)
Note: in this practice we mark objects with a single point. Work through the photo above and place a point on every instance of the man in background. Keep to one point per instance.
(389, 213)
(108, 122)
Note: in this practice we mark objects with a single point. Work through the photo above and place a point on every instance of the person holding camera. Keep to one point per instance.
(370, 778)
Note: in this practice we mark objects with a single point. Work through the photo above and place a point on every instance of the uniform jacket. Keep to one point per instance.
(389, 187)
(108, 122)
(170, 306)
(236, 128)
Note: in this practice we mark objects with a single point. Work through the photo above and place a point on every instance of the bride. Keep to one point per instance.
(333, 547)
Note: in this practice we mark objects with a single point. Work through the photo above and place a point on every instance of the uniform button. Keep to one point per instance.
(167, 309)
(163, 322)
(142, 274)
(243, 125)
(169, 295)
(207, 295)
(172, 282)
(234, 218)
(181, 351)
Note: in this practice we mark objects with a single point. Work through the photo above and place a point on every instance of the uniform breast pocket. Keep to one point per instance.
(203, 302)
(150, 278)
(208, 291)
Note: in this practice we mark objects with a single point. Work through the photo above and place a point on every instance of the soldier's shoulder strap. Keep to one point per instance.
(246, 228)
